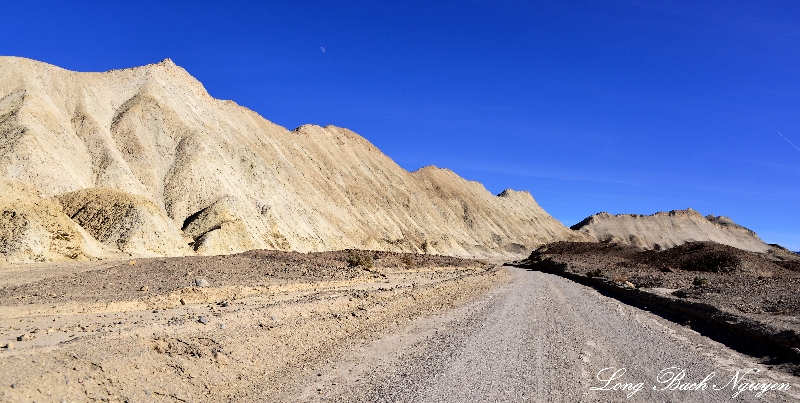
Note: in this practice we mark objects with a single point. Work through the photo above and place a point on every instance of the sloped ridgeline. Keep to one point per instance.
(144, 161)
(665, 230)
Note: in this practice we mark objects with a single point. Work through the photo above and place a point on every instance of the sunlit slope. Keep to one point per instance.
(664, 230)
(225, 179)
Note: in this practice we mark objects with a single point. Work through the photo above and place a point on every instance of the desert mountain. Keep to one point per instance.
(664, 230)
(145, 161)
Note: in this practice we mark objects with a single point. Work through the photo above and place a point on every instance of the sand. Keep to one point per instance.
(266, 320)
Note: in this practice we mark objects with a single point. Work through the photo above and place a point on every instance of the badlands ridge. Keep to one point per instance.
(665, 230)
(144, 162)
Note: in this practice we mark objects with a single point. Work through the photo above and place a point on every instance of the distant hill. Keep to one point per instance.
(665, 230)
(144, 161)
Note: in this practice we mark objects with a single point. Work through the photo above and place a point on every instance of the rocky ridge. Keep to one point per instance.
(144, 161)
(664, 230)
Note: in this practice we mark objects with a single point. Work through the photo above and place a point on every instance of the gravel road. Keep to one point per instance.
(546, 339)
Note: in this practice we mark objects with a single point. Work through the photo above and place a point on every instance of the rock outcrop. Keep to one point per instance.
(149, 163)
(34, 228)
(664, 230)
(129, 223)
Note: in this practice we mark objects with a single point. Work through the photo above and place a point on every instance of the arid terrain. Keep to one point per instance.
(747, 300)
(145, 162)
(145, 331)
(284, 326)
(543, 338)
(666, 229)
(161, 245)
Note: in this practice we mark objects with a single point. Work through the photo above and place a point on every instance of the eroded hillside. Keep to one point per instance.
(150, 164)
(665, 230)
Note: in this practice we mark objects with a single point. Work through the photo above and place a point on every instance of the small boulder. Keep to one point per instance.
(201, 282)
(202, 320)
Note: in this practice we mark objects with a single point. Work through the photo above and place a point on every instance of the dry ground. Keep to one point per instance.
(747, 300)
(144, 331)
(543, 338)
(721, 275)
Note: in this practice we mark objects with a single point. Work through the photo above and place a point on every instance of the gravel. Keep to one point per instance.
(544, 338)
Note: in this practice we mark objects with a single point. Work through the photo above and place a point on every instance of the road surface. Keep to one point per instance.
(543, 338)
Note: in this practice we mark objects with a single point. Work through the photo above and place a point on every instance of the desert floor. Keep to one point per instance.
(142, 330)
(274, 326)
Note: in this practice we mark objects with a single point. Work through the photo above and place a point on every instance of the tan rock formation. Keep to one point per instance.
(124, 221)
(664, 230)
(231, 180)
(35, 229)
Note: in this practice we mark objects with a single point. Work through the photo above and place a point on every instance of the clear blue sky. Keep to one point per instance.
(618, 106)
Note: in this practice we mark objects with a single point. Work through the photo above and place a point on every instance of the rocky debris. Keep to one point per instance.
(165, 276)
(665, 230)
(521, 330)
(744, 299)
(26, 337)
(783, 257)
(683, 260)
(172, 356)
(9, 346)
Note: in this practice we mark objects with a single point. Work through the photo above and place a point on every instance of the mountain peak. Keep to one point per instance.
(166, 62)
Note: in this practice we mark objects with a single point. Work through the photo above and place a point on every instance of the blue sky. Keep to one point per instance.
(618, 106)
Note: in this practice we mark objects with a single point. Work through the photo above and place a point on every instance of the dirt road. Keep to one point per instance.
(546, 339)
